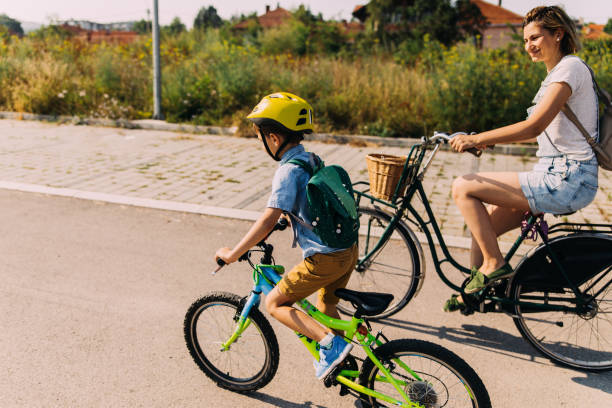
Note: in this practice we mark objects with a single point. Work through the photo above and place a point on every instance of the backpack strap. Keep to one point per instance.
(313, 165)
(594, 145)
(603, 95)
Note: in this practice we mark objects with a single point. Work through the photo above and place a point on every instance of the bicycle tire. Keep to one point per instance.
(432, 389)
(567, 338)
(221, 309)
(380, 274)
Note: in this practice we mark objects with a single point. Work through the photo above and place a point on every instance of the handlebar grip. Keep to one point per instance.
(281, 224)
(476, 152)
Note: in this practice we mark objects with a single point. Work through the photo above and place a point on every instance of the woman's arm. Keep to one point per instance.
(555, 97)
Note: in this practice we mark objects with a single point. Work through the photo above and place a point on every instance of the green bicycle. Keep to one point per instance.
(234, 345)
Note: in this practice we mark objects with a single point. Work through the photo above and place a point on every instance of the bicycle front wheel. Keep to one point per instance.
(580, 340)
(394, 268)
(428, 374)
(251, 361)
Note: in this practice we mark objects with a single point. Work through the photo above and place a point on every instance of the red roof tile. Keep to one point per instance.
(594, 31)
(497, 15)
(272, 18)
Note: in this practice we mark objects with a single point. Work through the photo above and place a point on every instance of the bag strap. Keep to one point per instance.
(597, 149)
(603, 95)
(315, 164)
(572, 116)
(310, 167)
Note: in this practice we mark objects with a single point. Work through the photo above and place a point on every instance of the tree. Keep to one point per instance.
(608, 27)
(207, 18)
(13, 25)
(175, 27)
(395, 21)
(305, 16)
(142, 26)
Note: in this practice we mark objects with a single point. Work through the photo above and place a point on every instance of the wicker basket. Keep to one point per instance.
(385, 172)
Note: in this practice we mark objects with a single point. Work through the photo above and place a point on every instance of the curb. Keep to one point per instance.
(152, 124)
(245, 215)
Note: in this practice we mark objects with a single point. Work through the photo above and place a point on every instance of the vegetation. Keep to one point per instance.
(11, 25)
(608, 26)
(356, 83)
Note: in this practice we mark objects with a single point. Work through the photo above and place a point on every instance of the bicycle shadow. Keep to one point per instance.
(280, 402)
(497, 341)
(479, 336)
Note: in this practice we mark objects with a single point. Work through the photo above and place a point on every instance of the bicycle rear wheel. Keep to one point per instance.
(438, 377)
(579, 340)
(251, 361)
(395, 268)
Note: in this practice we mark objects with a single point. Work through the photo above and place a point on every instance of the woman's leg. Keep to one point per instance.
(502, 220)
(503, 190)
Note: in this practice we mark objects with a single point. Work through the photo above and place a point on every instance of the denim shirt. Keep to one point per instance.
(289, 195)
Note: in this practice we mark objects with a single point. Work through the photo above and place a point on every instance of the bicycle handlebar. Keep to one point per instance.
(280, 226)
(446, 138)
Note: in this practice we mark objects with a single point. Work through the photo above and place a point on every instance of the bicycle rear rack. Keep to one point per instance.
(580, 227)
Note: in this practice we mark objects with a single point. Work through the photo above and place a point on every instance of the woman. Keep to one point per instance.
(564, 179)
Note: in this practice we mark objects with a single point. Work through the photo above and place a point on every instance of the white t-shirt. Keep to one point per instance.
(562, 132)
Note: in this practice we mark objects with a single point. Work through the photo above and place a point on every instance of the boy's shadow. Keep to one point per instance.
(493, 340)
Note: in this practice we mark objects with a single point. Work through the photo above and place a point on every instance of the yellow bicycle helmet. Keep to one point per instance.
(285, 110)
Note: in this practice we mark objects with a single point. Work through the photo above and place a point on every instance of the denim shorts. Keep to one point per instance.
(559, 185)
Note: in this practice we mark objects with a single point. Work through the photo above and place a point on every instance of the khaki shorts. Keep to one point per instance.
(326, 272)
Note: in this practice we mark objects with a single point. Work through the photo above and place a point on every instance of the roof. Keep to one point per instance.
(270, 19)
(497, 15)
(494, 14)
(594, 31)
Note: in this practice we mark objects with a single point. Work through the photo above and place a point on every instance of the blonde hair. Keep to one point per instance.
(554, 18)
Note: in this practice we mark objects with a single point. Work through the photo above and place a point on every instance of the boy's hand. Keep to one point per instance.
(226, 255)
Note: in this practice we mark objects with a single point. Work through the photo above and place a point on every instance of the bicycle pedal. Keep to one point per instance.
(490, 307)
(344, 390)
(331, 377)
(467, 311)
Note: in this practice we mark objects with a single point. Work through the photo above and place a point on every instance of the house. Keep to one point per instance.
(271, 19)
(99, 36)
(91, 26)
(594, 32)
(502, 23)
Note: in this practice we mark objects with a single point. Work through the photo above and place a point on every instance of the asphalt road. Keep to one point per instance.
(93, 297)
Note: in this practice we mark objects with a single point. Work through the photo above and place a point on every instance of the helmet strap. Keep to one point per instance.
(265, 143)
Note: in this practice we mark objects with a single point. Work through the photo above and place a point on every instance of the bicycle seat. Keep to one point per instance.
(366, 303)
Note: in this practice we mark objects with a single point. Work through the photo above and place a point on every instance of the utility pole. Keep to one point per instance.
(156, 67)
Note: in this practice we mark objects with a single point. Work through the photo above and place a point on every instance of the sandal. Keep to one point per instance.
(453, 304)
(479, 281)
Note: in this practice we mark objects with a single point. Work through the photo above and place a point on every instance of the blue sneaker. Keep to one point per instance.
(331, 356)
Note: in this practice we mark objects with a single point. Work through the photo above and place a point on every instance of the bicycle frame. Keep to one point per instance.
(265, 277)
(403, 208)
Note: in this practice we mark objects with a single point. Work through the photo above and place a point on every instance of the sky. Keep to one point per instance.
(103, 11)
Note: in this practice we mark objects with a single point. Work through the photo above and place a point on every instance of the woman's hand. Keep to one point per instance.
(461, 143)
(226, 255)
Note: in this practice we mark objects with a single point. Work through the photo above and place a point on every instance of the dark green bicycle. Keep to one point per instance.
(560, 297)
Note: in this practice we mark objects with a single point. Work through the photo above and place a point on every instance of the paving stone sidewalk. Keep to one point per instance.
(218, 171)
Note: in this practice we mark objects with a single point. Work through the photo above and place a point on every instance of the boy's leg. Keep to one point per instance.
(280, 307)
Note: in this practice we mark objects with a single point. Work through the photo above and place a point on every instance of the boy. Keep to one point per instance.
(281, 119)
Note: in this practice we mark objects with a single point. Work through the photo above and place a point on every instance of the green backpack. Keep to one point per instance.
(331, 204)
